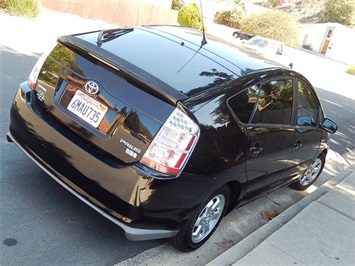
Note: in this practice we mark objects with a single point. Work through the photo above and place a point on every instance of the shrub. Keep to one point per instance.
(273, 24)
(177, 4)
(222, 17)
(351, 70)
(26, 8)
(233, 17)
(190, 16)
(341, 11)
(229, 18)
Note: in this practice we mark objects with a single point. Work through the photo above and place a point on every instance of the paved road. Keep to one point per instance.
(42, 224)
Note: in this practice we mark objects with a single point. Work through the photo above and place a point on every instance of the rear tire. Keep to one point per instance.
(311, 174)
(198, 229)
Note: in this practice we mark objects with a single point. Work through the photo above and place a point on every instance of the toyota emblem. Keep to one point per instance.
(91, 87)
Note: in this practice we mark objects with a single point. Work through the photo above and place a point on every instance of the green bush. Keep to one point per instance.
(341, 11)
(273, 24)
(351, 70)
(25, 8)
(223, 17)
(190, 16)
(233, 17)
(177, 4)
(229, 18)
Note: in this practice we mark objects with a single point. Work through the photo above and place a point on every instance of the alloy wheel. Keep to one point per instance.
(312, 172)
(208, 218)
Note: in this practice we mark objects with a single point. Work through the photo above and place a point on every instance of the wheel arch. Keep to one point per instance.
(235, 188)
(324, 151)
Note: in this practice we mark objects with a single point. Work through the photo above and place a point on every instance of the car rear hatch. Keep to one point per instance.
(110, 103)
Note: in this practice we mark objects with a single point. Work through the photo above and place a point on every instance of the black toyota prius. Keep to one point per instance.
(163, 131)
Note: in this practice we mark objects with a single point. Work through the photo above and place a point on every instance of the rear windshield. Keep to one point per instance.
(173, 62)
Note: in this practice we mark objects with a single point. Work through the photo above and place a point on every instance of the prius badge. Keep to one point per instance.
(130, 149)
(91, 87)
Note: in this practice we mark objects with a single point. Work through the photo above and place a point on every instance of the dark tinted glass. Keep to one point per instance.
(275, 102)
(178, 64)
(307, 104)
(243, 103)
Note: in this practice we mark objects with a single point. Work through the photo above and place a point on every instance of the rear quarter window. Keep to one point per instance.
(243, 104)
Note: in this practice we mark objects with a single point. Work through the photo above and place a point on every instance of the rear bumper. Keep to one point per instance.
(114, 190)
(131, 233)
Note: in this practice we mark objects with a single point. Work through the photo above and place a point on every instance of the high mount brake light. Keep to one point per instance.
(32, 79)
(173, 144)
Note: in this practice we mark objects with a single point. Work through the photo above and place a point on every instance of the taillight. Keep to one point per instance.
(32, 79)
(173, 144)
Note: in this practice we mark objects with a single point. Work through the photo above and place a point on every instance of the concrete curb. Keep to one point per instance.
(242, 248)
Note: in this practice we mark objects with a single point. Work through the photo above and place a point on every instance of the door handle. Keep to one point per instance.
(297, 145)
(254, 151)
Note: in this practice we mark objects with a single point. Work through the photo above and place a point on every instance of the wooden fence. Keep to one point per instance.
(121, 12)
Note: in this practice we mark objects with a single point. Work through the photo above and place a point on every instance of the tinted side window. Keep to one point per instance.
(307, 106)
(243, 103)
(275, 103)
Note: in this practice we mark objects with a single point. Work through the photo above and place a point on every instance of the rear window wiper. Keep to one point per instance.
(108, 35)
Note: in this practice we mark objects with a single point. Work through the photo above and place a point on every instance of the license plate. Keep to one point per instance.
(87, 108)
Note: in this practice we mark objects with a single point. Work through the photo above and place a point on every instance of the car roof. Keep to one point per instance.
(239, 60)
(176, 56)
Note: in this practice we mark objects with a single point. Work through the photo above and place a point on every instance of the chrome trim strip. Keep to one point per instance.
(134, 234)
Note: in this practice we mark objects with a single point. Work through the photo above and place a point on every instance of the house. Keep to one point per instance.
(333, 40)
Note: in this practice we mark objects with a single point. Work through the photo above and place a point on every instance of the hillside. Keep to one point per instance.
(305, 11)
(312, 11)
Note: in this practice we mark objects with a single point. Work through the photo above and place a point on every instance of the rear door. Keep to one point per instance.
(270, 135)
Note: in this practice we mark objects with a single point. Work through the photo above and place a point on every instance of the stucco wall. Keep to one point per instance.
(342, 45)
(341, 42)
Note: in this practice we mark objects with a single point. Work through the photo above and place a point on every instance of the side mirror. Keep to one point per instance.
(329, 126)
